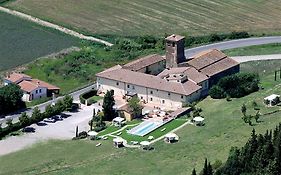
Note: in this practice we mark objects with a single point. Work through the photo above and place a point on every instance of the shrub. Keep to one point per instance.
(245, 83)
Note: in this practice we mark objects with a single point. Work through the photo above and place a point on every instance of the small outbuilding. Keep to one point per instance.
(145, 145)
(171, 138)
(272, 100)
(198, 121)
(118, 142)
(118, 121)
(92, 135)
(126, 112)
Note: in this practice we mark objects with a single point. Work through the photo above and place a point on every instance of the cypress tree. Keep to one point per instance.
(193, 172)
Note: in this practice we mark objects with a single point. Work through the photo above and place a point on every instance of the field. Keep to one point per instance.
(224, 128)
(255, 50)
(22, 41)
(134, 17)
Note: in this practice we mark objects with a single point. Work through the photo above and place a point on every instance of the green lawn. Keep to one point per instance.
(135, 17)
(23, 41)
(224, 128)
(265, 49)
(156, 133)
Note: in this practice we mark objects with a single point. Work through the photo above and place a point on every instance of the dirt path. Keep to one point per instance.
(54, 26)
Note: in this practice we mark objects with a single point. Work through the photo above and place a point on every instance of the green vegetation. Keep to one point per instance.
(10, 99)
(107, 106)
(245, 83)
(265, 49)
(90, 96)
(37, 101)
(156, 133)
(23, 41)
(134, 17)
(79, 67)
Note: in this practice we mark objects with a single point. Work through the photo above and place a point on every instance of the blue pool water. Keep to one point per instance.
(145, 129)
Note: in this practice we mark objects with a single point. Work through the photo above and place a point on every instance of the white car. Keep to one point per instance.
(49, 120)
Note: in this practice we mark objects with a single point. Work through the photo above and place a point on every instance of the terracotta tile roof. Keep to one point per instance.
(220, 66)
(44, 84)
(15, 77)
(190, 72)
(175, 37)
(206, 58)
(211, 62)
(150, 81)
(143, 62)
(28, 86)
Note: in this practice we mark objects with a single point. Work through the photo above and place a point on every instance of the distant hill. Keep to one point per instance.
(141, 17)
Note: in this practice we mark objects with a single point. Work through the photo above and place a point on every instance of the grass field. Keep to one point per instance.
(134, 17)
(224, 128)
(22, 41)
(255, 50)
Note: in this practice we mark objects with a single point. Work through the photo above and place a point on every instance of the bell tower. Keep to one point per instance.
(174, 50)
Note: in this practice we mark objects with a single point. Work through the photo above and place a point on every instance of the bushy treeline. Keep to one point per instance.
(260, 155)
(10, 99)
(37, 116)
(235, 86)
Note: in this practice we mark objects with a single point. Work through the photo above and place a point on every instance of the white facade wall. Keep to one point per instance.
(151, 96)
(40, 92)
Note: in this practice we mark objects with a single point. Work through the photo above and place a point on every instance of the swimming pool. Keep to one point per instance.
(145, 128)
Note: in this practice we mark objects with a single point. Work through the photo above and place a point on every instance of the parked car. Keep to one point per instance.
(49, 120)
(57, 118)
(28, 129)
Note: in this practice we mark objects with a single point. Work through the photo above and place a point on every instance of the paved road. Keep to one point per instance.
(233, 44)
(42, 106)
(242, 59)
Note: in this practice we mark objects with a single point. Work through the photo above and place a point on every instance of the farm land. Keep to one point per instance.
(148, 17)
(23, 41)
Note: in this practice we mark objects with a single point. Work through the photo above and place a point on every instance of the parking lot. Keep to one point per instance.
(64, 129)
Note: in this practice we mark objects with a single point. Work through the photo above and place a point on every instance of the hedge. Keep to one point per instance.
(87, 96)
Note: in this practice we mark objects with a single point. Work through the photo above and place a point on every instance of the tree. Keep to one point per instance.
(193, 172)
(36, 115)
(49, 111)
(76, 131)
(244, 109)
(9, 122)
(59, 107)
(68, 101)
(257, 116)
(24, 119)
(135, 106)
(108, 103)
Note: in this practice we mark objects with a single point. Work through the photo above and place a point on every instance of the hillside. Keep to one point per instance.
(134, 17)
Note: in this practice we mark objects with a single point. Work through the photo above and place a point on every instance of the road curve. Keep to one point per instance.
(233, 44)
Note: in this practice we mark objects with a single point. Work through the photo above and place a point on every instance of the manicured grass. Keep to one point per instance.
(23, 41)
(134, 17)
(224, 128)
(156, 133)
(265, 49)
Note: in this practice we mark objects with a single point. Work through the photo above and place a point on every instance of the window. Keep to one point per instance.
(128, 86)
(141, 97)
(151, 92)
(117, 83)
(169, 93)
(182, 97)
(174, 44)
(40, 90)
(133, 87)
(36, 91)
(163, 101)
(151, 99)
